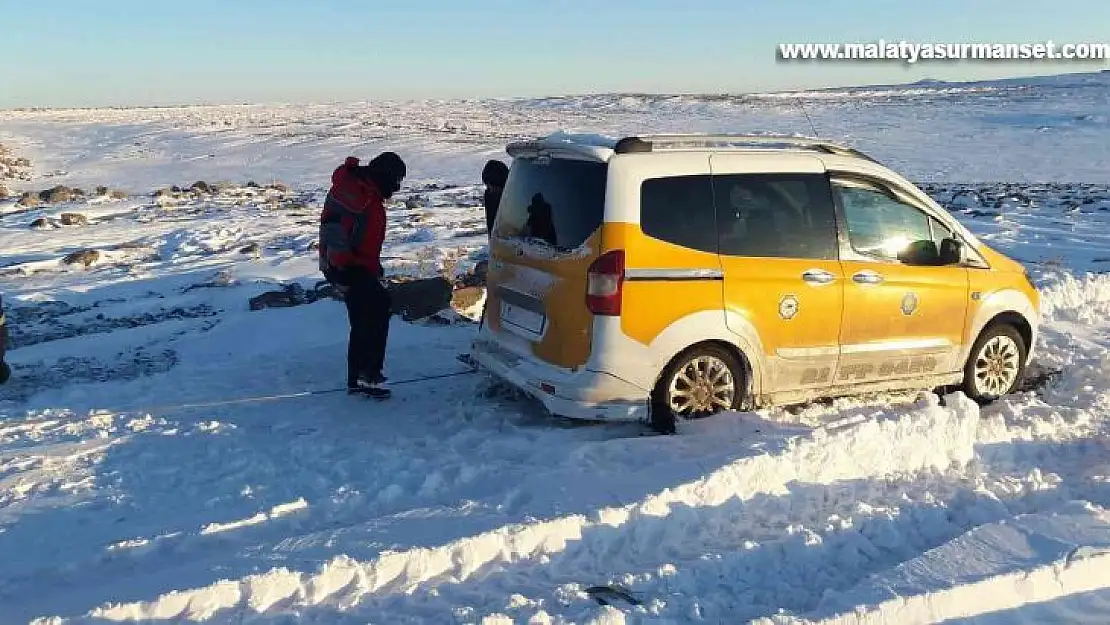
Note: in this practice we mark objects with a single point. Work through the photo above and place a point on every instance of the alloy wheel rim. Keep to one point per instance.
(996, 366)
(704, 385)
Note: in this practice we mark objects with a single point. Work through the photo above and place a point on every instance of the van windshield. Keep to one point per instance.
(558, 203)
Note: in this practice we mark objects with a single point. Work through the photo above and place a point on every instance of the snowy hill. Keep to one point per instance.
(136, 485)
(964, 132)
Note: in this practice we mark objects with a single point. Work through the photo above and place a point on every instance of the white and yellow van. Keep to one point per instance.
(675, 276)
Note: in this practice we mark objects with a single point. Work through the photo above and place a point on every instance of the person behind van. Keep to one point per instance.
(352, 231)
(5, 369)
(494, 176)
(540, 224)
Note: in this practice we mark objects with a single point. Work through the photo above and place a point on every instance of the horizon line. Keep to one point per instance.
(922, 82)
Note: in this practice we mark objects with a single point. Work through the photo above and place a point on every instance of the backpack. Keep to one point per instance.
(333, 236)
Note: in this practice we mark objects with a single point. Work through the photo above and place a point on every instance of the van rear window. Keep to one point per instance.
(559, 203)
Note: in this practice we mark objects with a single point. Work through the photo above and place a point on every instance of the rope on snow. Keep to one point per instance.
(265, 398)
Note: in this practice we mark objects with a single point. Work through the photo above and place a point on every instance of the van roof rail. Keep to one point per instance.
(651, 143)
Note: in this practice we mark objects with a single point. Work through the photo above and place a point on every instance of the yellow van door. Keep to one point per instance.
(901, 319)
(546, 237)
(782, 278)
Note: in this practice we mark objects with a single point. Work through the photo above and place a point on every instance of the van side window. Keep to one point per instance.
(776, 216)
(879, 224)
(940, 231)
(679, 210)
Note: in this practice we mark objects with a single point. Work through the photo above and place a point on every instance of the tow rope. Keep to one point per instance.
(464, 359)
(265, 398)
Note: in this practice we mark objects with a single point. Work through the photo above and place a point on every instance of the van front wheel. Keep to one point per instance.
(996, 364)
(700, 382)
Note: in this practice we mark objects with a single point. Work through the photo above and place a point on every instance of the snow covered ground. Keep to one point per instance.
(131, 491)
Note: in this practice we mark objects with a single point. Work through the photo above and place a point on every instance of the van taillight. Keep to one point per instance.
(604, 281)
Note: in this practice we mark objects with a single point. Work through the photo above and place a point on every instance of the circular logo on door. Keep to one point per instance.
(788, 307)
(909, 303)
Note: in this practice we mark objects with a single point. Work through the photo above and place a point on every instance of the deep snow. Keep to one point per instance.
(453, 503)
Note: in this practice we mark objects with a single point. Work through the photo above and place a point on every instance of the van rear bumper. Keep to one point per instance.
(584, 394)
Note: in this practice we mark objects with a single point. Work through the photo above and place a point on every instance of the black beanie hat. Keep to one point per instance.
(385, 170)
(389, 164)
(495, 173)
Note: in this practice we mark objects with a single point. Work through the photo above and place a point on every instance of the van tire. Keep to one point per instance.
(1004, 345)
(663, 417)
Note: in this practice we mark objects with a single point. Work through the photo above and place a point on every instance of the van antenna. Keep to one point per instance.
(798, 101)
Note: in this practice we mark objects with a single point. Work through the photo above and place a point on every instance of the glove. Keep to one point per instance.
(358, 274)
(5, 372)
(346, 276)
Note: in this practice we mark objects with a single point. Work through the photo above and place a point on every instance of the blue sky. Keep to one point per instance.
(131, 52)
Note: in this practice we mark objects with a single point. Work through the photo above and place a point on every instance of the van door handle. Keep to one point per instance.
(818, 276)
(867, 277)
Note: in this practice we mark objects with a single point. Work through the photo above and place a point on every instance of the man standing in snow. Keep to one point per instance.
(5, 370)
(352, 231)
(494, 175)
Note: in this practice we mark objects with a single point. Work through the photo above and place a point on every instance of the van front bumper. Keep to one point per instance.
(583, 394)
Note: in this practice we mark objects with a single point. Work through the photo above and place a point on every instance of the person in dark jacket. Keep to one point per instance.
(352, 231)
(494, 175)
(5, 369)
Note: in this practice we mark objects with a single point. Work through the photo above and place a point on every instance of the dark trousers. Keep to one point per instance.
(368, 305)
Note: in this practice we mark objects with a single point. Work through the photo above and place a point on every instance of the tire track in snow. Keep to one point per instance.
(995, 573)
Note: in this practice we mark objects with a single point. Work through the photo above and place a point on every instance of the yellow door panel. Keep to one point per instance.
(901, 321)
(795, 306)
(899, 304)
(782, 278)
(903, 317)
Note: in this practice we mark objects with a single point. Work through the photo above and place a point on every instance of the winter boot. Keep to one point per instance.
(369, 385)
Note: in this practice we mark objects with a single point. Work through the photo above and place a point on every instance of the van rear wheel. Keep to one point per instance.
(700, 382)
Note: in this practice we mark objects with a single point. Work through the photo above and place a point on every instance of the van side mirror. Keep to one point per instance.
(922, 252)
(951, 252)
